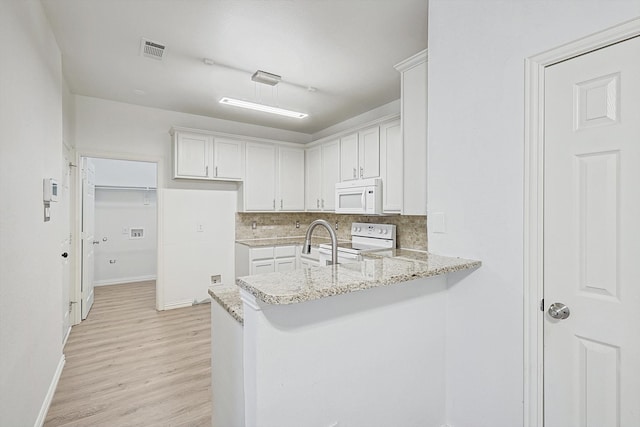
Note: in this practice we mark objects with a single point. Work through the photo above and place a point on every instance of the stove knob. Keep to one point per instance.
(359, 228)
(354, 229)
(380, 231)
(384, 231)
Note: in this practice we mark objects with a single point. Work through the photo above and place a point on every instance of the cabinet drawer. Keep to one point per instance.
(262, 253)
(285, 251)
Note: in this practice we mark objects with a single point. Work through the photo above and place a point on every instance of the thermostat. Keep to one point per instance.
(50, 190)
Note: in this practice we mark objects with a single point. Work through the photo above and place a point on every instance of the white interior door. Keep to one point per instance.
(88, 234)
(592, 239)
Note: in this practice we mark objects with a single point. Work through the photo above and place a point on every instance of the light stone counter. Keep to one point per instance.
(228, 296)
(283, 241)
(385, 268)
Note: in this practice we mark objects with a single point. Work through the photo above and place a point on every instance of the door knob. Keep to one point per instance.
(558, 310)
(64, 254)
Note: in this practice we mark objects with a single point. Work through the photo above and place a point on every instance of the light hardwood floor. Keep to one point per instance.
(129, 365)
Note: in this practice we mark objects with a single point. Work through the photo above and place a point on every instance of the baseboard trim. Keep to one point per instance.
(49, 396)
(179, 304)
(66, 337)
(124, 280)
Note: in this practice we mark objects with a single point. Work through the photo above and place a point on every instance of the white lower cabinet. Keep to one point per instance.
(309, 260)
(264, 259)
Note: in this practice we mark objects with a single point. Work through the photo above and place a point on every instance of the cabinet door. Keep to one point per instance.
(260, 179)
(349, 157)
(290, 179)
(391, 166)
(227, 159)
(369, 152)
(313, 185)
(330, 174)
(262, 266)
(285, 264)
(191, 153)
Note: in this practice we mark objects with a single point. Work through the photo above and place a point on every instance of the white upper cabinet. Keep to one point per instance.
(349, 168)
(290, 195)
(192, 153)
(414, 133)
(369, 152)
(313, 178)
(274, 178)
(260, 177)
(391, 166)
(330, 174)
(227, 159)
(203, 156)
(322, 172)
(360, 155)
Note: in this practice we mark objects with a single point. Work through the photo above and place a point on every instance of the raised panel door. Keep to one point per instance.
(391, 166)
(192, 155)
(313, 184)
(227, 159)
(349, 157)
(290, 179)
(369, 152)
(330, 174)
(260, 178)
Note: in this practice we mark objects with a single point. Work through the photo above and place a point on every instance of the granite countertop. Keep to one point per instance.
(283, 241)
(228, 296)
(382, 268)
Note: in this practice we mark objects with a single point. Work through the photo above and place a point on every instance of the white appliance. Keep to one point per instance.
(362, 197)
(364, 237)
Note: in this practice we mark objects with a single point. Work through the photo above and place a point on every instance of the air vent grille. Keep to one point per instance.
(151, 49)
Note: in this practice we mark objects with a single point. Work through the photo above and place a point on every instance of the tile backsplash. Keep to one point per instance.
(411, 231)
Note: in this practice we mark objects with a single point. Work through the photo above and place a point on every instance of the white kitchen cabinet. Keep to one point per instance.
(290, 195)
(349, 168)
(313, 178)
(192, 154)
(204, 156)
(274, 178)
(360, 155)
(227, 157)
(260, 178)
(414, 133)
(264, 259)
(308, 260)
(322, 172)
(391, 165)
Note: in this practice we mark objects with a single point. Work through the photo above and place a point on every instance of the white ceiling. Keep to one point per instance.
(344, 48)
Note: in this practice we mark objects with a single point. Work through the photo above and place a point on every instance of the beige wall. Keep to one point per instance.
(411, 230)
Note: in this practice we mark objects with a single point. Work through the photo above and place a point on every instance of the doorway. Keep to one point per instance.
(582, 361)
(118, 219)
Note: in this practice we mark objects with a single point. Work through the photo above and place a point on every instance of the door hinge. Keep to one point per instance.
(542, 304)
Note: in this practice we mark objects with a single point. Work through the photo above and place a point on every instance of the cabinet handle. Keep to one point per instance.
(354, 172)
(281, 204)
(206, 170)
(322, 203)
(318, 203)
(215, 171)
(361, 171)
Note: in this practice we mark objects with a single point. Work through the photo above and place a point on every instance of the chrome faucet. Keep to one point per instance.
(306, 248)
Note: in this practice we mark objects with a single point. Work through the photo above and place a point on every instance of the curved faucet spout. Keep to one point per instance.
(306, 248)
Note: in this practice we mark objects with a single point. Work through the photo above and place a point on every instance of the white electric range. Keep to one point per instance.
(364, 237)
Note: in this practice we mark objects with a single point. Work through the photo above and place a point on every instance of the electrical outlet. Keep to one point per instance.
(254, 225)
(216, 279)
(200, 228)
(297, 224)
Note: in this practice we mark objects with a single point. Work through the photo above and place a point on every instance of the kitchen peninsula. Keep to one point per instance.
(358, 344)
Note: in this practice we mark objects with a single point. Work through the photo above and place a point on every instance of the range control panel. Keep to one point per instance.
(386, 231)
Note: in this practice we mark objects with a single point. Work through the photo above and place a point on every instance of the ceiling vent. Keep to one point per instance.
(151, 49)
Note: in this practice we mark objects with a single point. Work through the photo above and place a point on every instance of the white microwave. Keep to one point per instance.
(362, 197)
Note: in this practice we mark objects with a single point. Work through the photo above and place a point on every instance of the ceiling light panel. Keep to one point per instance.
(262, 107)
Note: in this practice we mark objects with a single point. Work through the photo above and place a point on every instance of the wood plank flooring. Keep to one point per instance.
(129, 365)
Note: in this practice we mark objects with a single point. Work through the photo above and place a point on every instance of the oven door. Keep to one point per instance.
(324, 256)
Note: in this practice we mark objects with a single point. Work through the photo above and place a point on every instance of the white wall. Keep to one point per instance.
(125, 173)
(118, 258)
(476, 156)
(197, 227)
(30, 263)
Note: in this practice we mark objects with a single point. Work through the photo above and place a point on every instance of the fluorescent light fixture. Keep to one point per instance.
(262, 107)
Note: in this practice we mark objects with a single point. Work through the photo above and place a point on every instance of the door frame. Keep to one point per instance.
(533, 362)
(76, 293)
